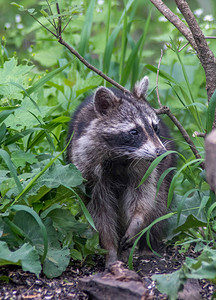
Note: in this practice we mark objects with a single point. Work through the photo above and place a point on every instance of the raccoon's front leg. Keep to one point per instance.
(135, 226)
(105, 219)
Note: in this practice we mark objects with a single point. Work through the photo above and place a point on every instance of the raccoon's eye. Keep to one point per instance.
(156, 128)
(134, 132)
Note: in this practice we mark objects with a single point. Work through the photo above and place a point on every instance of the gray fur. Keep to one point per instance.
(115, 139)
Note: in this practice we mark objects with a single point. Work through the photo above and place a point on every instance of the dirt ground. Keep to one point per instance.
(23, 285)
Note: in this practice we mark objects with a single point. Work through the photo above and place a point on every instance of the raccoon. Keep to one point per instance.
(116, 136)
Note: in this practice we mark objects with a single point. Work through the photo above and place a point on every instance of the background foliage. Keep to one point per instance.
(41, 84)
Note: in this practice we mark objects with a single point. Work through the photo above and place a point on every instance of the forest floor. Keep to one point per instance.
(24, 285)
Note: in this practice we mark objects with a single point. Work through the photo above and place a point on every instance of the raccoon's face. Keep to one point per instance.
(130, 126)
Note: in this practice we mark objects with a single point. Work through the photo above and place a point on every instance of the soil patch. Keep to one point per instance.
(24, 285)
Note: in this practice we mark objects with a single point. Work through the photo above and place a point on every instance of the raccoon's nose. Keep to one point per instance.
(160, 151)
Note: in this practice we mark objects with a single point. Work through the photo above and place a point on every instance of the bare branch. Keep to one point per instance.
(183, 47)
(166, 110)
(43, 25)
(88, 65)
(59, 20)
(199, 134)
(170, 16)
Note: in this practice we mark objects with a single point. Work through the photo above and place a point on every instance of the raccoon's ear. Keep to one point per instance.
(141, 87)
(104, 100)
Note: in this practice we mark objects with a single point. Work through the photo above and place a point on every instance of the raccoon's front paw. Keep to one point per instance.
(126, 242)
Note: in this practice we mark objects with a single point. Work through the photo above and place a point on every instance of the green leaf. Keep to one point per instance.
(56, 262)
(20, 158)
(5, 113)
(170, 284)
(18, 74)
(45, 79)
(211, 113)
(191, 222)
(109, 48)
(57, 175)
(40, 224)
(153, 165)
(64, 220)
(26, 256)
(75, 254)
(3, 130)
(88, 84)
(5, 156)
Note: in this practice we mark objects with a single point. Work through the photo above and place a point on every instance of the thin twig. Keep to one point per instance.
(157, 79)
(206, 37)
(59, 20)
(43, 26)
(174, 19)
(50, 10)
(67, 24)
(89, 66)
(199, 134)
(183, 47)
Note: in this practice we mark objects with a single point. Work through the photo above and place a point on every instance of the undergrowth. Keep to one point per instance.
(41, 226)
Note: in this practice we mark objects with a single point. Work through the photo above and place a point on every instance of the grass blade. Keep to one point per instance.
(109, 48)
(211, 113)
(172, 185)
(154, 165)
(5, 156)
(140, 234)
(86, 28)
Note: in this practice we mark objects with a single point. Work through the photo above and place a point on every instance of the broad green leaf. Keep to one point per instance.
(45, 79)
(26, 256)
(40, 224)
(11, 72)
(172, 186)
(64, 220)
(56, 262)
(191, 222)
(75, 254)
(28, 224)
(20, 158)
(5, 113)
(170, 284)
(57, 175)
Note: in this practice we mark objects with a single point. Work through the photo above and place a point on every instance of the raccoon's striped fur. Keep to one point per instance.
(115, 138)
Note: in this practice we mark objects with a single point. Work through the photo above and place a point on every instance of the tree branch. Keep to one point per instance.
(88, 65)
(206, 56)
(170, 16)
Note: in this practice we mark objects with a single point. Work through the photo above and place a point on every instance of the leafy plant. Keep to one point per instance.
(42, 84)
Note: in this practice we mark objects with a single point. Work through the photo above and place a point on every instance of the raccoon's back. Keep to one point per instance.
(80, 122)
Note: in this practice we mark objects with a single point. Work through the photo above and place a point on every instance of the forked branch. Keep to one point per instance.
(163, 109)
